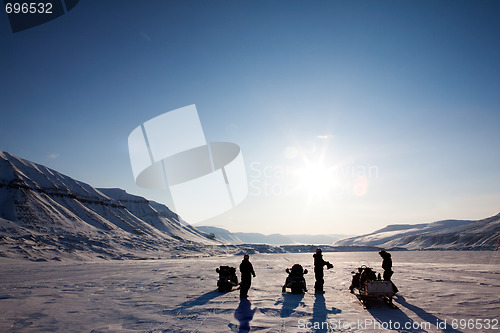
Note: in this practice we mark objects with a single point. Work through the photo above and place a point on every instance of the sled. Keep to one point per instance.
(378, 289)
(368, 286)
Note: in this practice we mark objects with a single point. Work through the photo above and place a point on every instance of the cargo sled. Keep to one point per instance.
(369, 285)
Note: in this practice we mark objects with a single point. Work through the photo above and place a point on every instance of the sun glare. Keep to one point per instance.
(316, 179)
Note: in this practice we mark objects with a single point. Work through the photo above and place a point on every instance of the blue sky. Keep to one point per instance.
(410, 89)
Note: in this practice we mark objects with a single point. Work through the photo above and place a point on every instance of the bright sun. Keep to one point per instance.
(316, 179)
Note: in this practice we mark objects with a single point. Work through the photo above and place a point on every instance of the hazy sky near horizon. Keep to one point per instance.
(351, 115)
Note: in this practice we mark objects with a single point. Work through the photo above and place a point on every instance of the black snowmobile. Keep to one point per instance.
(295, 280)
(227, 278)
(369, 285)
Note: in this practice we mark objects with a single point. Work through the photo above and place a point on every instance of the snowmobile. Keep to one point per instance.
(369, 285)
(295, 280)
(227, 278)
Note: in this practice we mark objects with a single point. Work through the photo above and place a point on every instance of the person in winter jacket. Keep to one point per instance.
(387, 267)
(318, 270)
(247, 272)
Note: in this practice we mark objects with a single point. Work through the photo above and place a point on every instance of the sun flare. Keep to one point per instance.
(317, 179)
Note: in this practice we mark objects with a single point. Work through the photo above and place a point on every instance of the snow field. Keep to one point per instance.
(179, 295)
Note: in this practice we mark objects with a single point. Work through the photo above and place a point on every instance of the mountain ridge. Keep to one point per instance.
(445, 235)
(46, 215)
(236, 238)
(42, 209)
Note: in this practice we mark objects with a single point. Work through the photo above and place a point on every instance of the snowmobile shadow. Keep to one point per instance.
(200, 300)
(426, 316)
(244, 314)
(397, 319)
(290, 303)
(320, 313)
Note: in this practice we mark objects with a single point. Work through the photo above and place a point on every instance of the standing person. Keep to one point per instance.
(318, 271)
(387, 267)
(247, 271)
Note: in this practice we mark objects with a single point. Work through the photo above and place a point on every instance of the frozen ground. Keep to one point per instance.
(458, 290)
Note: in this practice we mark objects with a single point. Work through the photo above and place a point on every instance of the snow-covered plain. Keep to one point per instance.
(457, 290)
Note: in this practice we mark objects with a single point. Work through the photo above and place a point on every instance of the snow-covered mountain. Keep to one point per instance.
(229, 237)
(45, 214)
(448, 234)
(221, 234)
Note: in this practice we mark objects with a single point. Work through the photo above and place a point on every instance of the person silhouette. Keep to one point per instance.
(387, 267)
(318, 270)
(247, 271)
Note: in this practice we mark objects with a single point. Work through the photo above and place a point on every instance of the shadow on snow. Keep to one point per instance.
(426, 316)
(290, 303)
(244, 314)
(320, 313)
(200, 300)
(390, 319)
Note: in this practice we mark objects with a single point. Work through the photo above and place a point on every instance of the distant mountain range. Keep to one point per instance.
(47, 215)
(235, 238)
(442, 235)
